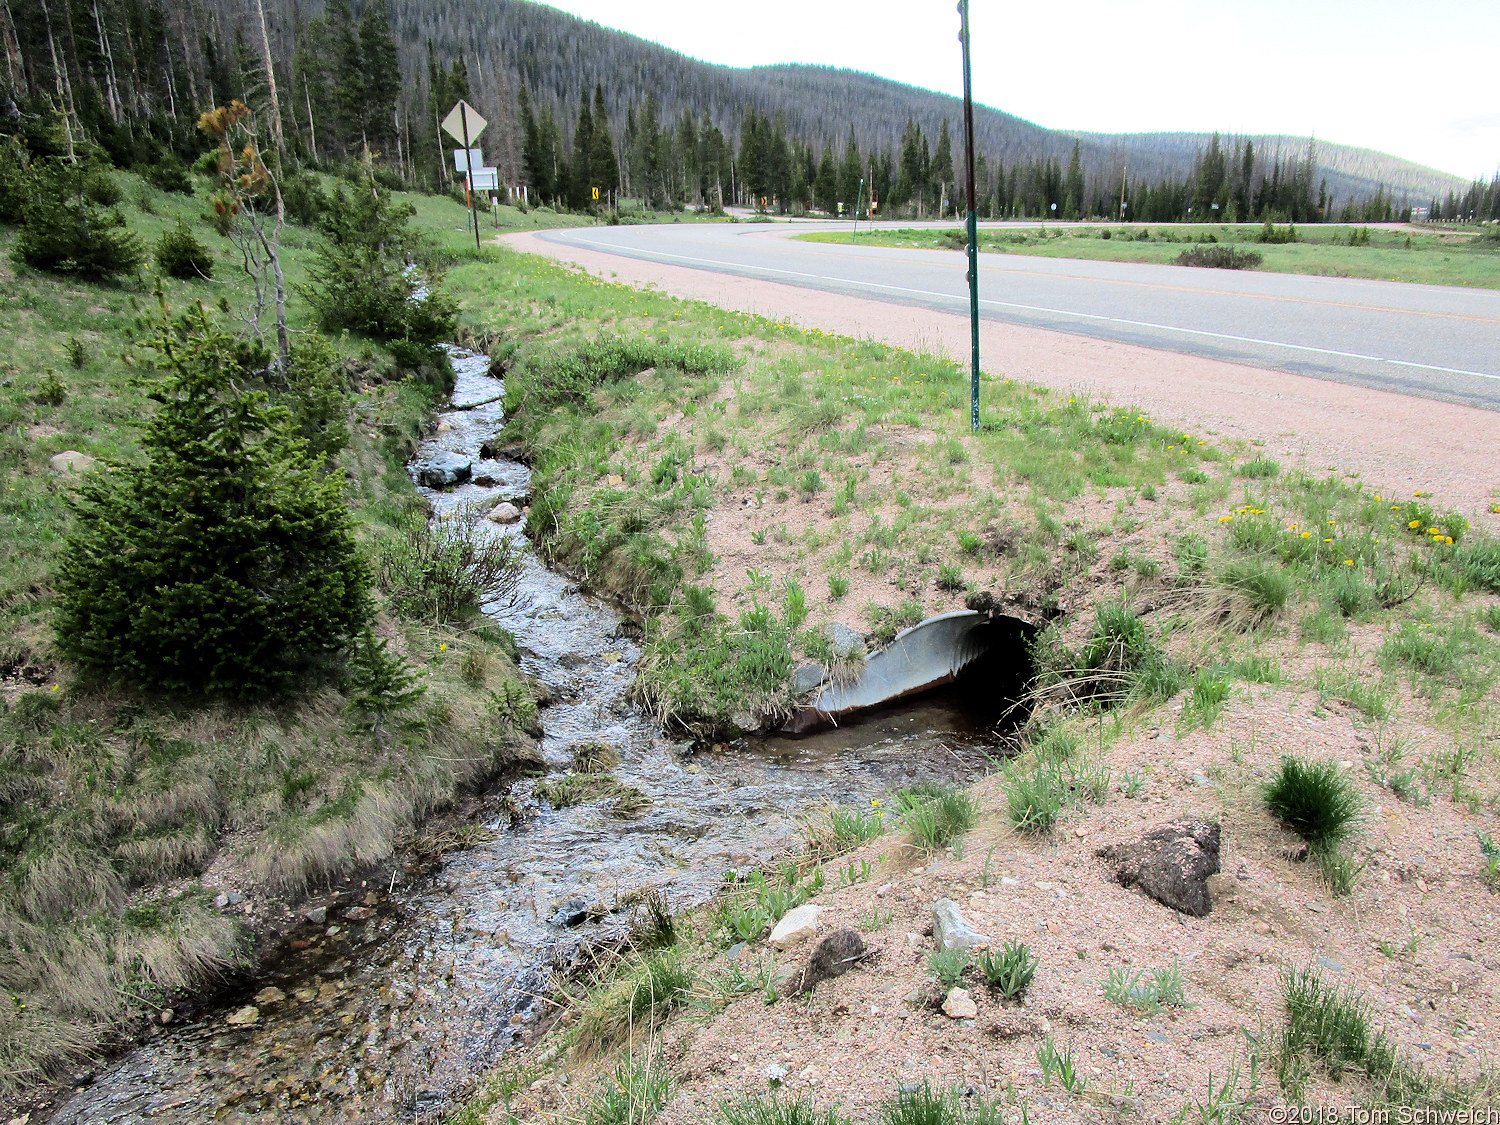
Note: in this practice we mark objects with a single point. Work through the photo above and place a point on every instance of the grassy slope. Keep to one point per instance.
(825, 478)
(1451, 258)
(114, 803)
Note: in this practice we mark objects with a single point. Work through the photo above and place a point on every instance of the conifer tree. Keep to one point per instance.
(850, 175)
(1072, 207)
(225, 561)
(826, 185)
(382, 72)
(580, 173)
(604, 169)
(941, 189)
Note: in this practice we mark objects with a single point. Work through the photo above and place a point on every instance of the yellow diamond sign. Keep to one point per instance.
(463, 123)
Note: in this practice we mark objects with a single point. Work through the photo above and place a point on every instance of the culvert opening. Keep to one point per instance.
(977, 670)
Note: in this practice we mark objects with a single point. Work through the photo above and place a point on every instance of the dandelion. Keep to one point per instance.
(1433, 531)
(1307, 535)
(1348, 562)
(57, 687)
(1225, 519)
(1328, 540)
(1417, 493)
(443, 647)
(1415, 523)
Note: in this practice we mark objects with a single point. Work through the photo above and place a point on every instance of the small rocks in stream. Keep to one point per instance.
(504, 513)
(574, 912)
(270, 995)
(795, 926)
(834, 956)
(317, 915)
(443, 469)
(959, 1005)
(492, 450)
(951, 929)
(1171, 864)
(243, 1017)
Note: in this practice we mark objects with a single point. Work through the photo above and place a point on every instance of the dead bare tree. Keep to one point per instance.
(244, 208)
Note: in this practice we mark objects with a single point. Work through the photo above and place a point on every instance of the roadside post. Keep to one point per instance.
(464, 125)
(963, 36)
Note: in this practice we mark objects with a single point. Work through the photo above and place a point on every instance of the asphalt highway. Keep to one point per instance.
(1424, 340)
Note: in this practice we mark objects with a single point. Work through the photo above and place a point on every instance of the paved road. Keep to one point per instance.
(1426, 340)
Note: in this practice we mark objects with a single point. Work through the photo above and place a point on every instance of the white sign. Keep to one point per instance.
(484, 179)
(463, 123)
(474, 162)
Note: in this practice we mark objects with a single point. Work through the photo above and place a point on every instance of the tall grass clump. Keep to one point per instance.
(776, 1110)
(1034, 795)
(634, 1004)
(634, 1094)
(935, 819)
(1010, 971)
(1315, 800)
(442, 570)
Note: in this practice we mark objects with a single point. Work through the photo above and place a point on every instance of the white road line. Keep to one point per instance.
(628, 251)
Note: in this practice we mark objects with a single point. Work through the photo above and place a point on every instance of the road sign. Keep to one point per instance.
(463, 123)
(596, 193)
(484, 179)
(474, 161)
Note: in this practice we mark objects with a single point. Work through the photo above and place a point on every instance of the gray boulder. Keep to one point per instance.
(1171, 864)
(951, 929)
(442, 470)
(70, 461)
(808, 676)
(834, 956)
(845, 641)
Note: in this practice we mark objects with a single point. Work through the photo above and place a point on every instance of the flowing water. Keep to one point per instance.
(401, 999)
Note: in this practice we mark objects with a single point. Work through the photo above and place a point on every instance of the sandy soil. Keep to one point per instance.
(1396, 443)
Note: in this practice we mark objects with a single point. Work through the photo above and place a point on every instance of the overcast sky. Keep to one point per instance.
(1414, 78)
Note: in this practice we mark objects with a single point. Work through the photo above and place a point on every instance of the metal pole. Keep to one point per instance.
(469, 176)
(860, 194)
(963, 35)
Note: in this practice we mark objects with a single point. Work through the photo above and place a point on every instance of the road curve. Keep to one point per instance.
(1437, 342)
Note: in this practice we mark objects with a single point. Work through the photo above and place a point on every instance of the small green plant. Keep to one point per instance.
(853, 826)
(1146, 991)
(970, 543)
(1034, 796)
(922, 1105)
(1339, 870)
(382, 689)
(1258, 469)
(949, 965)
(78, 352)
(1133, 782)
(50, 391)
(1491, 853)
(876, 919)
(1060, 1065)
(838, 586)
(950, 577)
(1208, 695)
(1314, 799)
(1008, 972)
(775, 1110)
(632, 1095)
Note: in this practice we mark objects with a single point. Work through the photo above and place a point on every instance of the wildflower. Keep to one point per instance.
(1328, 540)
(1417, 493)
(1415, 523)
(443, 647)
(1433, 531)
(1225, 519)
(57, 687)
(1448, 540)
(1307, 535)
(1348, 562)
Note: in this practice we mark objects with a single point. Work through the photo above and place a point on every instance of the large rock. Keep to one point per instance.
(70, 461)
(805, 677)
(796, 926)
(951, 929)
(242, 1017)
(845, 641)
(1171, 864)
(494, 450)
(834, 956)
(442, 470)
(504, 513)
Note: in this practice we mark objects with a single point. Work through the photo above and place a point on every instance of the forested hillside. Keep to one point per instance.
(574, 107)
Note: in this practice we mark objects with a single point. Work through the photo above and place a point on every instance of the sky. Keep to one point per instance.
(1413, 79)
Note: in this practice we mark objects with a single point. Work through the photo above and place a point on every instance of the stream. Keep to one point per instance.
(399, 1002)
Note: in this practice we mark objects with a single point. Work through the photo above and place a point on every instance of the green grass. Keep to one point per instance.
(776, 1110)
(1315, 800)
(1146, 991)
(1009, 972)
(1437, 258)
(935, 819)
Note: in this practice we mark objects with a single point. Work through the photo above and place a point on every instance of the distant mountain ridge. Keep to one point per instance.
(556, 56)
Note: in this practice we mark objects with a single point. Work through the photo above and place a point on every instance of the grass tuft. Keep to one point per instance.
(1314, 799)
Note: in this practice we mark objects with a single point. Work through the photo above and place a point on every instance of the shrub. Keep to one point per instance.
(1313, 799)
(442, 570)
(1271, 234)
(224, 562)
(13, 189)
(169, 174)
(1219, 258)
(1259, 469)
(363, 278)
(305, 200)
(180, 255)
(63, 230)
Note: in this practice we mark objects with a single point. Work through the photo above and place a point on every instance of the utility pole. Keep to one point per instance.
(963, 36)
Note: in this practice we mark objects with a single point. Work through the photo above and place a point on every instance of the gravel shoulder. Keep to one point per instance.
(1392, 442)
